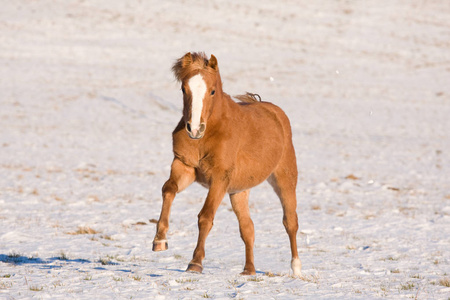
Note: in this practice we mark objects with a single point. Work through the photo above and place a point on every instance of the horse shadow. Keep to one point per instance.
(49, 263)
(16, 259)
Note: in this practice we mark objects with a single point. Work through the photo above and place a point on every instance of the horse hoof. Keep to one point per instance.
(160, 245)
(247, 272)
(194, 268)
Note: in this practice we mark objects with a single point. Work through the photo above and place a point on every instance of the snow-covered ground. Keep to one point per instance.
(88, 103)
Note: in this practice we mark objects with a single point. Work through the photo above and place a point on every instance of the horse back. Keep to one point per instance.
(267, 118)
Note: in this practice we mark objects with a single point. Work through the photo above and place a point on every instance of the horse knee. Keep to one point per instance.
(170, 187)
(205, 221)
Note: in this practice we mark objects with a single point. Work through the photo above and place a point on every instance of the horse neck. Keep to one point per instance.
(223, 107)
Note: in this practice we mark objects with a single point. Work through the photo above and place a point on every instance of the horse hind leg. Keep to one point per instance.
(284, 184)
(239, 203)
(181, 176)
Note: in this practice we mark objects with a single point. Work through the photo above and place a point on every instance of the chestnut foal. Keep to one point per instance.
(228, 147)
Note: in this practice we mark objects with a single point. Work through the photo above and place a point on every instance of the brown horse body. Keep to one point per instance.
(228, 147)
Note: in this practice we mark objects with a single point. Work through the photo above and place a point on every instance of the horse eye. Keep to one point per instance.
(183, 90)
(213, 92)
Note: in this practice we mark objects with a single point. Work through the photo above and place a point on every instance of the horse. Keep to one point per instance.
(228, 147)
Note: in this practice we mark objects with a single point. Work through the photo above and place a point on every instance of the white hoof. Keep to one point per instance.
(296, 266)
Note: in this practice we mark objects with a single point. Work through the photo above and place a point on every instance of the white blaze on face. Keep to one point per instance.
(198, 88)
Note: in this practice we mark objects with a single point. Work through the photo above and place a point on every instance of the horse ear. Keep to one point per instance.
(186, 60)
(213, 62)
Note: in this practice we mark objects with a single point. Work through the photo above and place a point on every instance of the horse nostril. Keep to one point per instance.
(188, 127)
(202, 128)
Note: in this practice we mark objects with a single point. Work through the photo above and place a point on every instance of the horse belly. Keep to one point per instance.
(251, 171)
(245, 174)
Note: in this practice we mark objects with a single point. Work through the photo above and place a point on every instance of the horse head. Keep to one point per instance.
(200, 84)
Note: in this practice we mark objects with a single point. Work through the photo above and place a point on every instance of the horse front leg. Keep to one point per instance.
(181, 176)
(205, 223)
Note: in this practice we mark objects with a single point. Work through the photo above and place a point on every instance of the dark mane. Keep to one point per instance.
(248, 98)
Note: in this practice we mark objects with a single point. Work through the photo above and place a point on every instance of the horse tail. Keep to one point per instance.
(249, 98)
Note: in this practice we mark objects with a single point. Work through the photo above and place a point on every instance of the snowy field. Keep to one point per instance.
(88, 104)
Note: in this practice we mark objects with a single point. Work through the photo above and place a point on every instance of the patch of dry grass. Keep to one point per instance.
(270, 274)
(36, 288)
(445, 282)
(83, 230)
(309, 278)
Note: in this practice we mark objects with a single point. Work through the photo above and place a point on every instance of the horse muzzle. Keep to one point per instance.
(195, 133)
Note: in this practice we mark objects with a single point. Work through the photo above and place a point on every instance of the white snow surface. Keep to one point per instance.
(88, 103)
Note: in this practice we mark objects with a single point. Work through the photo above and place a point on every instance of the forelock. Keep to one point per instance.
(187, 66)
